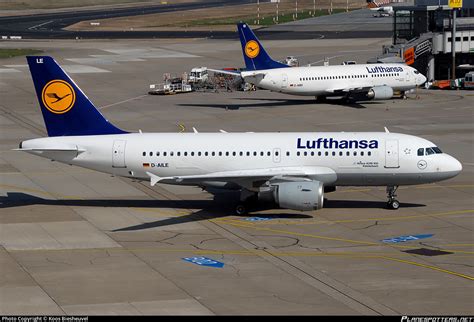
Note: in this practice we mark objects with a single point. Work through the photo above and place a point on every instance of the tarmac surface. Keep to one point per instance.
(74, 241)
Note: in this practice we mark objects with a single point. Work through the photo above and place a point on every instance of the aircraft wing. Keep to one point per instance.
(228, 72)
(249, 178)
(348, 90)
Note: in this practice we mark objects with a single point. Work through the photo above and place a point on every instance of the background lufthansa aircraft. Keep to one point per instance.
(292, 169)
(358, 82)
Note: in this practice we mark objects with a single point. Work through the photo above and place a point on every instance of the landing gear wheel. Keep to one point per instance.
(394, 204)
(241, 210)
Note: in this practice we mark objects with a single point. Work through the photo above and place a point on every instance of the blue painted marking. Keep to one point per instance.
(402, 239)
(204, 261)
(257, 219)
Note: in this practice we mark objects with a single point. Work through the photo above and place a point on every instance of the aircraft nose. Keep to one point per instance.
(421, 79)
(451, 166)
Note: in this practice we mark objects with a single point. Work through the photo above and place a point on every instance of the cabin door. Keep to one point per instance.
(118, 154)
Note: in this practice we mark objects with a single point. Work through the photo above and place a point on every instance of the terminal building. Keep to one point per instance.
(422, 36)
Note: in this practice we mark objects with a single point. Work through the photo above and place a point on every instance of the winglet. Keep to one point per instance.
(154, 179)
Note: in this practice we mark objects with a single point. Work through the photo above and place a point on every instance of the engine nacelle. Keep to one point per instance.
(380, 93)
(299, 195)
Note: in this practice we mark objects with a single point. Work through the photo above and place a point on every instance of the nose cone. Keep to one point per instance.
(420, 80)
(454, 166)
(450, 167)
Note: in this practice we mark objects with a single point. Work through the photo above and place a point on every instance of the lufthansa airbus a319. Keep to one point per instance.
(294, 170)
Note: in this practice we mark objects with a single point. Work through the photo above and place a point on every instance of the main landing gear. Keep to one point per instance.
(248, 201)
(392, 203)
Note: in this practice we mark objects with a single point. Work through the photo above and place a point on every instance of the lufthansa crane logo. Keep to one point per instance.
(252, 49)
(58, 96)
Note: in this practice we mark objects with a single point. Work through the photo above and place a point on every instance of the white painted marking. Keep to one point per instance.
(9, 70)
(41, 24)
(124, 101)
(83, 69)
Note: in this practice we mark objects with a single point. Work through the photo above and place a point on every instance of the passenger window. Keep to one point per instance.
(348, 153)
(326, 153)
(157, 154)
(192, 154)
(178, 153)
(421, 152)
(206, 153)
(319, 153)
(241, 153)
(144, 154)
(213, 153)
(362, 153)
(261, 153)
(248, 153)
(151, 153)
(254, 153)
(298, 153)
(355, 153)
(312, 153)
(227, 154)
(220, 153)
(234, 153)
(340, 153)
(287, 153)
(369, 153)
(333, 153)
(199, 153)
(305, 153)
(164, 154)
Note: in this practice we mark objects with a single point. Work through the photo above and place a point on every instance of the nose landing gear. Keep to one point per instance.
(392, 202)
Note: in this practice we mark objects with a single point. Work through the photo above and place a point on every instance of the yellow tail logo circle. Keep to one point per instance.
(58, 96)
(252, 49)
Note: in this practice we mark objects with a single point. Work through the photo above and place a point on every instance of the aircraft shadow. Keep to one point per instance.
(221, 206)
(328, 203)
(271, 103)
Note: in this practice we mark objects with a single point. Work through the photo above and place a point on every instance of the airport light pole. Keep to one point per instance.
(258, 12)
(296, 9)
(278, 1)
(453, 46)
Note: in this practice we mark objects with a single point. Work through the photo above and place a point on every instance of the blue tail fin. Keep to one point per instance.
(66, 110)
(255, 56)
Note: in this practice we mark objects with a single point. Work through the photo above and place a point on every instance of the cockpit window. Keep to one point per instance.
(416, 72)
(437, 150)
(429, 151)
(421, 152)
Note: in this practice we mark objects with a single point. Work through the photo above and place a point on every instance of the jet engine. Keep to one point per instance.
(299, 195)
(380, 93)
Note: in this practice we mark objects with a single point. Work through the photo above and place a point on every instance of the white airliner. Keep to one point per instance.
(381, 8)
(291, 169)
(359, 82)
